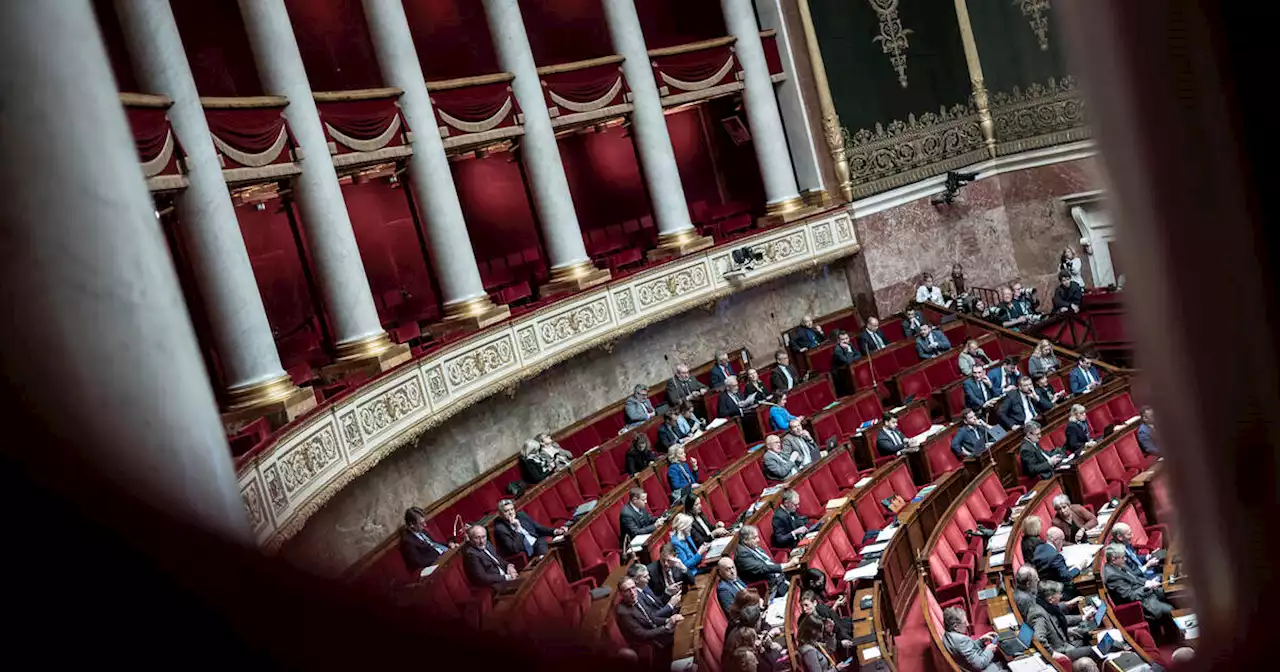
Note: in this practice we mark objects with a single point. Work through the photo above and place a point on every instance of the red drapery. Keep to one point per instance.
(771, 56)
(249, 130)
(696, 66)
(363, 120)
(586, 86)
(150, 127)
(474, 104)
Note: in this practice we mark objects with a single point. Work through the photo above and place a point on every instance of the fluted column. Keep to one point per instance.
(254, 378)
(676, 235)
(980, 98)
(357, 333)
(782, 196)
(571, 269)
(97, 339)
(429, 175)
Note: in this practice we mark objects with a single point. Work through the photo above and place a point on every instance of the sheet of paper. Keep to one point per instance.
(715, 423)
(997, 560)
(716, 549)
(1080, 555)
(870, 653)
(1005, 622)
(1029, 664)
(1186, 622)
(874, 548)
(638, 541)
(837, 502)
(887, 533)
(427, 571)
(557, 539)
(863, 481)
(866, 571)
(998, 542)
(776, 614)
(773, 489)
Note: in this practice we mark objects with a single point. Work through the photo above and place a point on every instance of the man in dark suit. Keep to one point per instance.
(480, 560)
(789, 527)
(754, 564)
(1048, 560)
(1126, 585)
(1068, 296)
(639, 626)
(731, 404)
(913, 323)
(931, 342)
(891, 440)
(668, 571)
(1020, 406)
(1085, 377)
(978, 392)
(871, 338)
(1004, 379)
(417, 547)
(659, 605)
(1036, 461)
(669, 432)
(683, 386)
(784, 376)
(1045, 393)
(728, 585)
(721, 371)
(1078, 437)
(844, 353)
(970, 438)
(807, 335)
(635, 519)
(517, 532)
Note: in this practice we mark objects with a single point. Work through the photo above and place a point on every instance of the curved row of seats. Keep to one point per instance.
(1128, 617)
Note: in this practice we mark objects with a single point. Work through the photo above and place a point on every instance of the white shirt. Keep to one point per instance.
(927, 293)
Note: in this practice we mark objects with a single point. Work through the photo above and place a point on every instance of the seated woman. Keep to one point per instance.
(639, 455)
(1073, 519)
(1031, 530)
(767, 652)
(837, 630)
(680, 473)
(779, 417)
(543, 458)
(814, 656)
(682, 539)
(688, 421)
(1043, 361)
(703, 529)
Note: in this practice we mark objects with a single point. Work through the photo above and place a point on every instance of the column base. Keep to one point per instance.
(471, 315)
(786, 212)
(817, 198)
(678, 244)
(574, 278)
(373, 355)
(278, 400)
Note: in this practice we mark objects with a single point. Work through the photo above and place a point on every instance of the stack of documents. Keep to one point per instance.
(867, 571)
(716, 549)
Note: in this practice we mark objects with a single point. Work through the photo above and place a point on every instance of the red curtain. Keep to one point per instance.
(586, 85)
(217, 48)
(277, 266)
(452, 38)
(696, 65)
(496, 206)
(150, 128)
(474, 103)
(668, 23)
(335, 44)
(402, 285)
(251, 130)
(361, 119)
(563, 31)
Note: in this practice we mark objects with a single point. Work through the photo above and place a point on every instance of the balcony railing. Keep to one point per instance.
(158, 149)
(473, 111)
(364, 126)
(696, 71)
(252, 138)
(585, 91)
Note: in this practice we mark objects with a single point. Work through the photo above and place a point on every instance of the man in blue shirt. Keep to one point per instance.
(1147, 432)
(1085, 377)
(1005, 378)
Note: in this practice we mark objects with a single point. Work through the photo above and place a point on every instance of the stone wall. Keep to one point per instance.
(369, 510)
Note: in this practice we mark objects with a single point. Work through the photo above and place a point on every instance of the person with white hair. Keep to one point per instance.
(1032, 528)
(1126, 585)
(754, 563)
(775, 465)
(807, 335)
(1048, 560)
(1074, 520)
(1183, 655)
(1084, 665)
(789, 527)
(973, 654)
(1026, 586)
(1055, 628)
(798, 445)
(732, 404)
(543, 458)
(690, 554)
(1140, 563)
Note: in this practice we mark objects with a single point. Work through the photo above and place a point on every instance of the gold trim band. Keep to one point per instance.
(363, 348)
(468, 308)
(260, 394)
(572, 272)
(784, 207)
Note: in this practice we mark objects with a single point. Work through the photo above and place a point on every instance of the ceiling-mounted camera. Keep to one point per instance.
(951, 187)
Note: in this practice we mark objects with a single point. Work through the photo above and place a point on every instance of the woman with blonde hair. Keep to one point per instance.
(1071, 264)
(1043, 361)
(682, 540)
(681, 472)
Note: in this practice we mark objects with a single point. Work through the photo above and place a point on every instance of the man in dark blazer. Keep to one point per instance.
(844, 353)
(931, 342)
(480, 560)
(1036, 461)
(784, 376)
(1126, 586)
(517, 532)
(721, 371)
(970, 438)
(635, 519)
(669, 433)
(728, 584)
(891, 440)
(659, 605)
(808, 335)
(789, 527)
(640, 627)
(754, 564)
(1004, 378)
(1048, 560)
(417, 547)
(731, 404)
(668, 571)
(1068, 296)
(978, 392)
(1045, 394)
(1085, 377)
(683, 386)
(1020, 406)
(913, 323)
(871, 338)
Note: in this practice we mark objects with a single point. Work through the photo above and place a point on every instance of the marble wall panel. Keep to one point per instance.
(1039, 225)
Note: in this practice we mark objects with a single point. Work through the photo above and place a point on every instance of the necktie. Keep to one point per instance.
(932, 343)
(875, 337)
(983, 388)
(438, 547)
(492, 557)
(644, 612)
(893, 435)
(1027, 411)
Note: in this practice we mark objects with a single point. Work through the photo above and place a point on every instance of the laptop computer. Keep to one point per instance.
(1099, 615)
(1015, 643)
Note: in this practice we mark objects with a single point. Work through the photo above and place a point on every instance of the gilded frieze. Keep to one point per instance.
(1040, 115)
(907, 151)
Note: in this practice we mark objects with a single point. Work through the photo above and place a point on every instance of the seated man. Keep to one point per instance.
(891, 440)
(789, 527)
(784, 376)
(931, 342)
(658, 605)
(754, 564)
(973, 655)
(721, 371)
(1004, 379)
(1085, 377)
(635, 519)
(1143, 564)
(683, 386)
(728, 585)
(517, 533)
(1026, 588)
(669, 432)
(417, 548)
(1036, 461)
(807, 335)
(637, 408)
(1068, 296)
(779, 417)
(1013, 313)
(667, 575)
(1078, 436)
(928, 292)
(1147, 432)
(973, 355)
(775, 465)
(1045, 393)
(979, 393)
(1128, 586)
(1057, 630)
(639, 627)
(912, 322)
(1020, 406)
(481, 562)
(871, 338)
(1048, 560)
(971, 438)
(799, 446)
(754, 386)
(732, 404)
(844, 353)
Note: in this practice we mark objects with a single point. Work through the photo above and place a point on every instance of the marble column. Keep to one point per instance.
(782, 196)
(454, 261)
(97, 337)
(571, 269)
(255, 382)
(676, 234)
(359, 340)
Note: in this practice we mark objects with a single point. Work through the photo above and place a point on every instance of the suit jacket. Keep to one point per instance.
(756, 388)
(669, 436)
(483, 568)
(511, 542)
(1051, 630)
(718, 374)
(842, 357)
(1147, 439)
(1051, 566)
(939, 346)
(752, 566)
(784, 523)
(680, 475)
(658, 578)
(911, 326)
(806, 338)
(1079, 518)
(727, 407)
(1077, 435)
(701, 535)
(970, 440)
(640, 627)
(637, 461)
(637, 410)
(1044, 397)
(679, 390)
(633, 523)
(809, 451)
(1064, 297)
(1125, 586)
(778, 379)
(868, 343)
(885, 443)
(1001, 379)
(976, 394)
(726, 592)
(777, 467)
(1042, 366)
(1014, 413)
(1078, 381)
(417, 553)
(970, 654)
(1034, 461)
(658, 607)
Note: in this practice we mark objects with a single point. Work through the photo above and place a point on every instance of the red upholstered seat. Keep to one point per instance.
(1131, 455)
(853, 529)
(810, 504)
(914, 384)
(842, 545)
(824, 485)
(871, 512)
(711, 458)
(658, 490)
(843, 471)
(1093, 484)
(1114, 469)
(716, 504)
(1099, 417)
(826, 427)
(938, 457)
(900, 481)
(1121, 407)
(736, 492)
(608, 472)
(753, 478)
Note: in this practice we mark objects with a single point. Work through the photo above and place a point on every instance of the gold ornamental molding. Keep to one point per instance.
(908, 151)
(1037, 12)
(892, 37)
(832, 131)
(1040, 115)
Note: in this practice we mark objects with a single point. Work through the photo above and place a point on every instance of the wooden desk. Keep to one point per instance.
(600, 611)
(1141, 489)
(687, 633)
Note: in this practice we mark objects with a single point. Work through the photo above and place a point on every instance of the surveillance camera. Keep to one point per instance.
(954, 181)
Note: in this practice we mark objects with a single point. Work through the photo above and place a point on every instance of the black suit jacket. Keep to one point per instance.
(636, 462)
(658, 578)
(756, 388)
(727, 408)
(669, 436)
(678, 390)
(752, 567)
(1034, 461)
(885, 445)
(416, 552)
(633, 523)
(481, 569)
(511, 542)
(1064, 297)
(640, 627)
(969, 441)
(1011, 412)
(841, 357)
(1044, 398)
(1077, 435)
(778, 380)
(718, 375)
(868, 344)
(784, 522)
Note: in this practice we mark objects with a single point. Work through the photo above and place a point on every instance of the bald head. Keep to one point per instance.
(1121, 532)
(1055, 536)
(728, 571)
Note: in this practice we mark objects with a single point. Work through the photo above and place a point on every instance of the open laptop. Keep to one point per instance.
(1015, 643)
(1100, 614)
